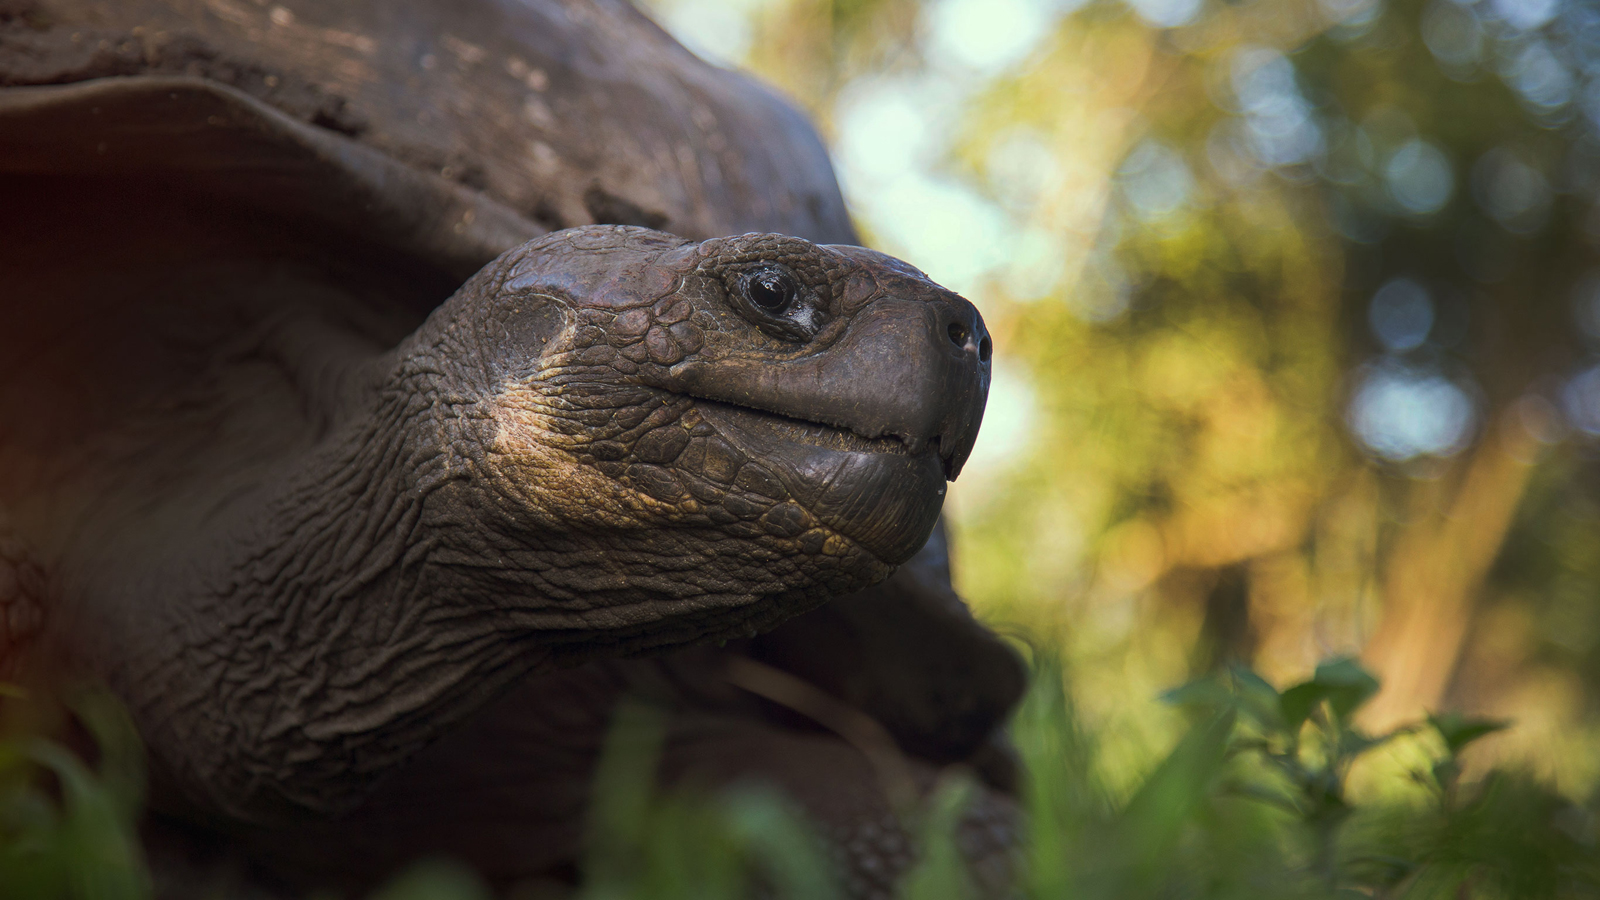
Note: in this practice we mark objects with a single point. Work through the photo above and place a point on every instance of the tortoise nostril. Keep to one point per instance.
(985, 349)
(958, 334)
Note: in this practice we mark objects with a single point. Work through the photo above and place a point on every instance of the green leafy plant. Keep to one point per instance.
(67, 829)
(1306, 736)
(1293, 750)
(1253, 801)
(646, 843)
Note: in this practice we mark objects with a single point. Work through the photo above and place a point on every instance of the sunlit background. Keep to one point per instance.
(1296, 308)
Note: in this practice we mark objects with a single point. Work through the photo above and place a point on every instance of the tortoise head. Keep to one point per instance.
(707, 423)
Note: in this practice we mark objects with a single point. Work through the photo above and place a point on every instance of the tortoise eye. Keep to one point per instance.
(776, 301)
(771, 290)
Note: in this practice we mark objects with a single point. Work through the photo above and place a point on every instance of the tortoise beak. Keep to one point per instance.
(914, 368)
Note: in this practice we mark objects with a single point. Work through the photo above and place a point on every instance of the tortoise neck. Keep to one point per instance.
(325, 644)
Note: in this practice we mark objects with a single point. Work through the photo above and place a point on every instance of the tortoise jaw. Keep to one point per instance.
(842, 438)
(874, 491)
(809, 431)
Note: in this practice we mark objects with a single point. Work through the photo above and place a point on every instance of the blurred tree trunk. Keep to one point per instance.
(1435, 570)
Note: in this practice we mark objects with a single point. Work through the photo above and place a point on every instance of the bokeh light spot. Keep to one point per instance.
(1419, 177)
(718, 31)
(1590, 100)
(941, 226)
(1281, 129)
(1510, 190)
(1166, 13)
(1539, 77)
(1155, 180)
(883, 131)
(1453, 35)
(1580, 400)
(1351, 13)
(1401, 413)
(987, 35)
(1525, 14)
(1401, 315)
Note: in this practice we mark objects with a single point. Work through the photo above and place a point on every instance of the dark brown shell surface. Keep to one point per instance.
(447, 129)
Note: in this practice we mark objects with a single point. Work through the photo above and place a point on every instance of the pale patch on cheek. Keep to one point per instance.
(533, 459)
(539, 458)
(806, 318)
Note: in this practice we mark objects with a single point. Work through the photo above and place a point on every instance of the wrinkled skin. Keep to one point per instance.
(507, 792)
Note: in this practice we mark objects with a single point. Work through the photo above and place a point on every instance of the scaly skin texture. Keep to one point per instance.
(597, 447)
(508, 791)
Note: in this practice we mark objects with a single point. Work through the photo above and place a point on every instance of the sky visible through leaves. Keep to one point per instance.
(1296, 308)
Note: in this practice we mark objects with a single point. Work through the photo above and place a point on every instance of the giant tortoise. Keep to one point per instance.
(387, 389)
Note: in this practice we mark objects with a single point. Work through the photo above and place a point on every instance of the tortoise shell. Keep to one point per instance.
(449, 131)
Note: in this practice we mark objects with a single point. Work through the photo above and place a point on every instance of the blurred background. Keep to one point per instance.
(1296, 307)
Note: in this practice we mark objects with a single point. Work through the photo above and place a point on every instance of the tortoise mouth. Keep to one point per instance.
(878, 492)
(797, 431)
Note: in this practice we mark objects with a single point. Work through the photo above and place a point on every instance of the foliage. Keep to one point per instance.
(686, 846)
(67, 830)
(1296, 319)
(1254, 800)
